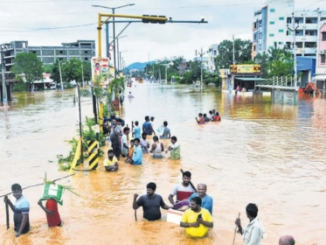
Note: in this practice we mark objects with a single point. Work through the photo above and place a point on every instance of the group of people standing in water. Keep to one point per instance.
(133, 149)
(214, 116)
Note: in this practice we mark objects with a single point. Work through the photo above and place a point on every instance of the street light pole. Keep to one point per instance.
(294, 49)
(114, 38)
(4, 90)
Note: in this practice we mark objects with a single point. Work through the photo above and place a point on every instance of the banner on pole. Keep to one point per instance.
(100, 65)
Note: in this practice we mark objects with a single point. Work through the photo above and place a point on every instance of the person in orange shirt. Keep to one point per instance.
(217, 117)
(52, 213)
(130, 152)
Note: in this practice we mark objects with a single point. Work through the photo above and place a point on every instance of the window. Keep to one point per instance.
(323, 36)
(310, 45)
(281, 18)
(254, 47)
(311, 20)
(289, 20)
(298, 20)
(271, 22)
(86, 52)
(299, 32)
(280, 30)
(288, 33)
(272, 10)
(259, 46)
(322, 59)
(299, 44)
(311, 32)
(323, 18)
(271, 35)
(61, 52)
(260, 35)
(288, 44)
(280, 43)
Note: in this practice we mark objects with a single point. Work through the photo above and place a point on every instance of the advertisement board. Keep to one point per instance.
(245, 69)
(100, 65)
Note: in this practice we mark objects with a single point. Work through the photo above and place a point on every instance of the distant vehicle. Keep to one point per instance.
(53, 85)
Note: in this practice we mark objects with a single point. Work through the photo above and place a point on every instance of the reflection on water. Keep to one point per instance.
(273, 155)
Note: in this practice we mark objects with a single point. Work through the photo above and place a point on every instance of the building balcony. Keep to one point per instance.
(305, 26)
(306, 50)
(306, 38)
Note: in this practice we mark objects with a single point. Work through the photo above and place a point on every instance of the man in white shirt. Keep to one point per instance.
(253, 233)
(183, 190)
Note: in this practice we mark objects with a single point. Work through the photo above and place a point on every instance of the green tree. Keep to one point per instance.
(87, 69)
(47, 68)
(263, 61)
(72, 70)
(29, 65)
(282, 65)
(55, 73)
(280, 61)
(242, 50)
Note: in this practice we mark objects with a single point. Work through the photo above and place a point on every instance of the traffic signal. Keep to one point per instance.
(154, 21)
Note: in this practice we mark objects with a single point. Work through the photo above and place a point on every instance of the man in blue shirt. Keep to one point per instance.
(207, 201)
(147, 127)
(137, 157)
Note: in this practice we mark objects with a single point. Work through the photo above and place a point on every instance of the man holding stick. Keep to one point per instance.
(20, 209)
(253, 233)
(182, 190)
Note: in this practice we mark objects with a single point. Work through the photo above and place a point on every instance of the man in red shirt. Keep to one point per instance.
(52, 214)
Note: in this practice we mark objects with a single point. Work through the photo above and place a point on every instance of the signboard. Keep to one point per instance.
(245, 69)
(224, 73)
(99, 66)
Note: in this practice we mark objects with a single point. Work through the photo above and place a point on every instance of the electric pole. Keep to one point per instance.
(294, 48)
(201, 66)
(233, 51)
(3, 65)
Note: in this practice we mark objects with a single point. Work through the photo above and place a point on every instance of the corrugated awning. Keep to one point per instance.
(319, 77)
(250, 79)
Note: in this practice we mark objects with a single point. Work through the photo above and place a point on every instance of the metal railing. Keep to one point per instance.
(287, 81)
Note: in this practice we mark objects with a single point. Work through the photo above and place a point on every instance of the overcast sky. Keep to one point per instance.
(20, 18)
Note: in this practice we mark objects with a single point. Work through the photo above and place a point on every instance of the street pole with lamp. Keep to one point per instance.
(4, 90)
(294, 49)
(166, 70)
(118, 51)
(114, 41)
(201, 66)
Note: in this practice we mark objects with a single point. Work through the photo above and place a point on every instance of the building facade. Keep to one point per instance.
(83, 50)
(320, 78)
(212, 53)
(271, 25)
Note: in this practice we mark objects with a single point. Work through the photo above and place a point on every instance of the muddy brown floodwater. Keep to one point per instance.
(271, 155)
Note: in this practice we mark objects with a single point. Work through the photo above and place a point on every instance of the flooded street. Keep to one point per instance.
(271, 155)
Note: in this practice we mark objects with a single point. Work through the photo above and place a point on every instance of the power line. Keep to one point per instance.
(72, 1)
(133, 10)
(50, 28)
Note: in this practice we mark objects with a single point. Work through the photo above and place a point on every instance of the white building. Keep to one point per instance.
(271, 26)
(212, 53)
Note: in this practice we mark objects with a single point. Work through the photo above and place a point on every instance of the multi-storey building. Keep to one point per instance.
(271, 26)
(212, 53)
(83, 50)
(320, 78)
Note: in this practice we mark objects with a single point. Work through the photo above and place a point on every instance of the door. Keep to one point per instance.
(320, 84)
